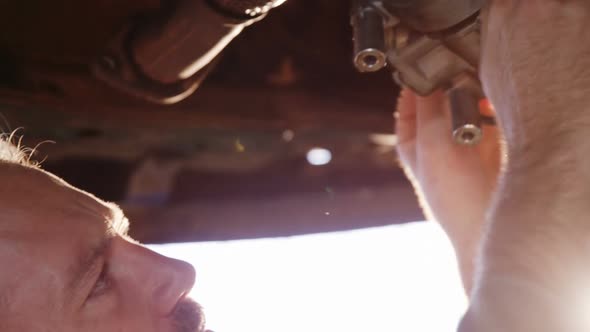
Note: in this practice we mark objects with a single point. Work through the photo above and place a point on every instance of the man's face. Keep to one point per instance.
(66, 264)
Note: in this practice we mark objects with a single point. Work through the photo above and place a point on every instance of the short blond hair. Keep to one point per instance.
(12, 151)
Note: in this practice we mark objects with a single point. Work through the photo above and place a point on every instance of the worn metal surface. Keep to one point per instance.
(429, 45)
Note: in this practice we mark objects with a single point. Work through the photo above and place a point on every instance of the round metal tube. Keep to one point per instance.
(369, 39)
(465, 116)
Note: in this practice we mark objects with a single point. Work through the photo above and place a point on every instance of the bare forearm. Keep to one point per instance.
(462, 219)
(466, 242)
(537, 249)
(532, 273)
(460, 210)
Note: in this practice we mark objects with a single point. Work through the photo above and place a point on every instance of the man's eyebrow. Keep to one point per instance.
(118, 223)
(81, 270)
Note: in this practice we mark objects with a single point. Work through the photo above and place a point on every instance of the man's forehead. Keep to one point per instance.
(43, 197)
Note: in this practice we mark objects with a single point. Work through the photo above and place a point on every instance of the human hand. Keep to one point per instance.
(535, 69)
(454, 182)
(533, 272)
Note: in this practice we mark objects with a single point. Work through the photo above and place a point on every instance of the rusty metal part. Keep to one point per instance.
(420, 61)
(431, 45)
(433, 15)
(181, 42)
(118, 69)
(164, 58)
(425, 64)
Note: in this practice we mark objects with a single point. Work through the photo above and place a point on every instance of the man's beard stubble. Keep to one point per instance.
(188, 316)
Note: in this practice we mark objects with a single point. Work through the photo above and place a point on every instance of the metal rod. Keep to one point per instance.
(369, 38)
(465, 116)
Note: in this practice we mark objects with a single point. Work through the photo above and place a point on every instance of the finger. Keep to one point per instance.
(405, 128)
(486, 108)
(433, 124)
(405, 122)
(490, 150)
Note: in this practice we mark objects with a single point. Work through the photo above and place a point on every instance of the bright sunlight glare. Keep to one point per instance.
(319, 156)
(386, 279)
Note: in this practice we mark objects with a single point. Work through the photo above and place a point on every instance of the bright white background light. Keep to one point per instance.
(396, 278)
(319, 156)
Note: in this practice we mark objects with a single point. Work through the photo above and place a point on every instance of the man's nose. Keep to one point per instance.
(163, 281)
(174, 279)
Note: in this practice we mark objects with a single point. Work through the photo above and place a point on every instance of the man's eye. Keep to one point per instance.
(102, 285)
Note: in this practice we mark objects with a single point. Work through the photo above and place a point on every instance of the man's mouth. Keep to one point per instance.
(188, 316)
